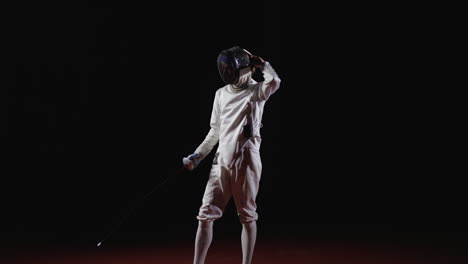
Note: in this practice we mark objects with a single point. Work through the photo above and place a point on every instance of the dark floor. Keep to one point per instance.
(229, 252)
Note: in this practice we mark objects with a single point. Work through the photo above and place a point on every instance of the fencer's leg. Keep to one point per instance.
(249, 237)
(203, 241)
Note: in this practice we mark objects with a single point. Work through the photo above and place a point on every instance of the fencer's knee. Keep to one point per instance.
(205, 224)
(246, 218)
(246, 222)
(209, 213)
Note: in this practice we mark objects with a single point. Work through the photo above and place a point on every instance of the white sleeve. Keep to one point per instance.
(271, 82)
(213, 135)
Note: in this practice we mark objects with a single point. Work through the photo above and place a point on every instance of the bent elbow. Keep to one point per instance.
(276, 82)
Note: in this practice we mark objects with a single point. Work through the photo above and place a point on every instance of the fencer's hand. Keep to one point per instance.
(191, 162)
(256, 61)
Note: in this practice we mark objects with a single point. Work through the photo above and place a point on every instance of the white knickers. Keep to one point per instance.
(241, 181)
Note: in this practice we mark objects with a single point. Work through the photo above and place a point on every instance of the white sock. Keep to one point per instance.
(249, 236)
(203, 241)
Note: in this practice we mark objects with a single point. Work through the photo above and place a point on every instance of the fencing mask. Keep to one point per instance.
(231, 62)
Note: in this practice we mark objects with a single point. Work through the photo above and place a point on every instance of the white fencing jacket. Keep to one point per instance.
(236, 117)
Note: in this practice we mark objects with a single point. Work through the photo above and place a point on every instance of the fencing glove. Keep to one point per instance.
(192, 161)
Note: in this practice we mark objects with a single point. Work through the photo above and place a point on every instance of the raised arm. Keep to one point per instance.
(271, 81)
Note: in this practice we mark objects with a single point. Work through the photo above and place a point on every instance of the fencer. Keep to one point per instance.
(235, 124)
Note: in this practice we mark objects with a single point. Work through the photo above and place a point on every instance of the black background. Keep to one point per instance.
(101, 101)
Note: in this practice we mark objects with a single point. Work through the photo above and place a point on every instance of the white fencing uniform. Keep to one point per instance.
(235, 125)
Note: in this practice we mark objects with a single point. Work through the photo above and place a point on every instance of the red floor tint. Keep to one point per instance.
(230, 253)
